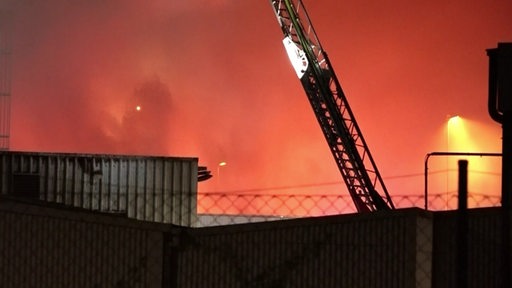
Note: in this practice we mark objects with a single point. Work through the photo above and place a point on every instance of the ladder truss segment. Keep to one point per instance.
(346, 142)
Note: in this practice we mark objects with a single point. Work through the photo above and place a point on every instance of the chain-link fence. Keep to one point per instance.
(223, 208)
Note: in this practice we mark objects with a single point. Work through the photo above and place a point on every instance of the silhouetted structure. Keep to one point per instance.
(157, 189)
(5, 79)
(50, 245)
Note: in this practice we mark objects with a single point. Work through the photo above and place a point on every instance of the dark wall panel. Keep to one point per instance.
(372, 250)
(54, 247)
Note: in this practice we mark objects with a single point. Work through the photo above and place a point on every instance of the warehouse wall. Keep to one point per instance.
(52, 245)
(369, 250)
(43, 246)
(159, 189)
(484, 248)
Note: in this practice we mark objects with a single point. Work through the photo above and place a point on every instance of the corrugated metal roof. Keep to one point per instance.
(160, 189)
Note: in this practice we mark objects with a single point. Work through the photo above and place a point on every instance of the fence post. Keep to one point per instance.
(462, 226)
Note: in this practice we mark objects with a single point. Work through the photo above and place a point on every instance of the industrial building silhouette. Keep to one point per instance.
(66, 242)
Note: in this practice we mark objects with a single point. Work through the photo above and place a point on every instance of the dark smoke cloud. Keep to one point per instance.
(213, 81)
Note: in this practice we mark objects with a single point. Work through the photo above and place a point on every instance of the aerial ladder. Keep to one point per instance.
(346, 142)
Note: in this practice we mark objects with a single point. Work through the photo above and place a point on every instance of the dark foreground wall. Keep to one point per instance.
(44, 245)
(485, 249)
(372, 250)
(41, 246)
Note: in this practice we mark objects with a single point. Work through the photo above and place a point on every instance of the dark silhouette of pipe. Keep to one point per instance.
(462, 226)
(500, 110)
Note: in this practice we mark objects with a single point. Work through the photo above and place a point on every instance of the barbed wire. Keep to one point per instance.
(339, 183)
(277, 206)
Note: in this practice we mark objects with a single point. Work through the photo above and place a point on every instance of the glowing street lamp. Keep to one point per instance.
(453, 119)
(453, 122)
(221, 164)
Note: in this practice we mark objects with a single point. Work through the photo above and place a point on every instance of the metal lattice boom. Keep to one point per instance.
(331, 108)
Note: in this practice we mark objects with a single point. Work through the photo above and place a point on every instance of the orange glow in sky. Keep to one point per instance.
(216, 83)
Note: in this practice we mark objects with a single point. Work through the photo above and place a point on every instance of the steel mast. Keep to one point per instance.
(331, 108)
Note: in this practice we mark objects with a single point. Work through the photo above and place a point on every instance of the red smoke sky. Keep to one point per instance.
(214, 82)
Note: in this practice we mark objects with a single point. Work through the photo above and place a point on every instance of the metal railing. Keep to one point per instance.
(449, 154)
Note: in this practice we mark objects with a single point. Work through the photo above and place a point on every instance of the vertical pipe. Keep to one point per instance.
(506, 199)
(462, 226)
(500, 110)
(425, 182)
(504, 88)
(463, 185)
